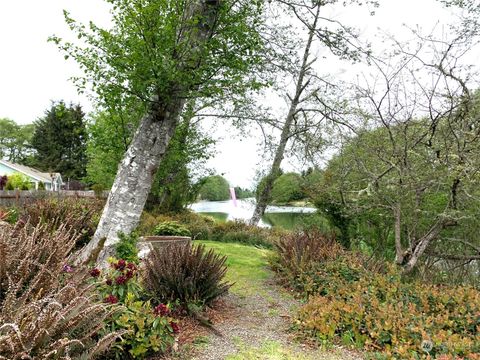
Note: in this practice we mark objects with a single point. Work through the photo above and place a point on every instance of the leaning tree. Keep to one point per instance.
(309, 99)
(162, 53)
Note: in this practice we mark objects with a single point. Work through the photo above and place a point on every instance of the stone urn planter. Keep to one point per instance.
(147, 243)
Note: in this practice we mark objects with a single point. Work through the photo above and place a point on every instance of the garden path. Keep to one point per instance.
(258, 321)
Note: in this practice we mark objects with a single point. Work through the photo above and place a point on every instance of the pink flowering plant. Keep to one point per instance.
(149, 329)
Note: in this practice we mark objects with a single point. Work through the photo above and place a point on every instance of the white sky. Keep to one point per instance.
(33, 72)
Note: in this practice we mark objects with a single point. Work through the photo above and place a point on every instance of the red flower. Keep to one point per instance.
(95, 272)
(120, 265)
(109, 282)
(175, 327)
(122, 279)
(111, 299)
(161, 310)
(130, 274)
(131, 266)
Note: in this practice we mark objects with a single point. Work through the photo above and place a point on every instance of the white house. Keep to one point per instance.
(52, 181)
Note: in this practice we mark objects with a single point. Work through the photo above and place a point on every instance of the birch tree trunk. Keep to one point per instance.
(133, 181)
(135, 175)
(301, 84)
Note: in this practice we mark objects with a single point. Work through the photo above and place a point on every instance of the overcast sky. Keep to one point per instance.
(33, 72)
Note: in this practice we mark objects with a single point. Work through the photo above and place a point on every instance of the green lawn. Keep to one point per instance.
(247, 265)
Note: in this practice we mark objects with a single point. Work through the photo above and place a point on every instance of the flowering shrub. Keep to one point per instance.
(380, 313)
(147, 329)
(190, 275)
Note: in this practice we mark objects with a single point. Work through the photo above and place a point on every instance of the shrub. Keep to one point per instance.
(31, 259)
(185, 273)
(126, 248)
(47, 311)
(380, 313)
(171, 228)
(75, 214)
(18, 181)
(146, 329)
(206, 228)
(300, 251)
(98, 190)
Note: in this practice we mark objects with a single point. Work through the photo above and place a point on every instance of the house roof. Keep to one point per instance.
(31, 172)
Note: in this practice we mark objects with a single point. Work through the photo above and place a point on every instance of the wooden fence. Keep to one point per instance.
(20, 198)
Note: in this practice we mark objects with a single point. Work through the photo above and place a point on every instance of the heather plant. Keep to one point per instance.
(146, 329)
(77, 214)
(47, 311)
(298, 252)
(32, 258)
(187, 274)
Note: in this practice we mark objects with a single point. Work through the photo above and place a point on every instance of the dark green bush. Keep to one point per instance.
(171, 228)
(185, 273)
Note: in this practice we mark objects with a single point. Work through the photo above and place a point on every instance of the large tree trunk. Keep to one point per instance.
(264, 196)
(133, 181)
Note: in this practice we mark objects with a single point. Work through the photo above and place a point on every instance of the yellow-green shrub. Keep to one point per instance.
(380, 313)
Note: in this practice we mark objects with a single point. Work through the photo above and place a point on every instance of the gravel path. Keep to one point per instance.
(259, 319)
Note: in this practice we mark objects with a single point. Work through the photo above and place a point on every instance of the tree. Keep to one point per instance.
(59, 141)
(287, 188)
(160, 53)
(307, 108)
(15, 141)
(241, 193)
(215, 188)
(411, 175)
(110, 132)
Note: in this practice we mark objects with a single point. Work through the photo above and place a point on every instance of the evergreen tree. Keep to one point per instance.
(59, 141)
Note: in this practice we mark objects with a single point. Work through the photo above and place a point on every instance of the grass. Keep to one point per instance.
(270, 350)
(247, 266)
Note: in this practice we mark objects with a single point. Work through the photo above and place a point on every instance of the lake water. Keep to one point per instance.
(282, 216)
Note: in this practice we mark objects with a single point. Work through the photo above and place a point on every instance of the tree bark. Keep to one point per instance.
(133, 181)
(264, 197)
(398, 235)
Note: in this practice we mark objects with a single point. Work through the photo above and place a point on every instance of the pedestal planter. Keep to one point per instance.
(161, 242)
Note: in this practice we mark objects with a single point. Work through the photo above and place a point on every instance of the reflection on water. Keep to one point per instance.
(284, 216)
